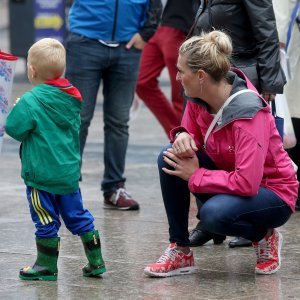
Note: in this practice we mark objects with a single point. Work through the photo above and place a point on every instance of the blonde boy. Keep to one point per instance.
(46, 120)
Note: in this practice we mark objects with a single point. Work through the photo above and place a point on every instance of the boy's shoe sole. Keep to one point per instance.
(180, 271)
(95, 273)
(44, 278)
(29, 273)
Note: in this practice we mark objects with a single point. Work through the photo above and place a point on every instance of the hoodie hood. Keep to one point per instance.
(61, 107)
(241, 106)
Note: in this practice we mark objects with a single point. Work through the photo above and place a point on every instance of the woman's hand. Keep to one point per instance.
(184, 145)
(184, 167)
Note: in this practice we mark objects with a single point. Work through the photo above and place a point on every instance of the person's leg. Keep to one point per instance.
(119, 82)
(80, 222)
(248, 217)
(85, 61)
(45, 215)
(176, 197)
(173, 38)
(177, 259)
(199, 236)
(253, 218)
(77, 219)
(295, 154)
(160, 51)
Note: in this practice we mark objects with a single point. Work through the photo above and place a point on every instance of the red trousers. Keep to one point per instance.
(161, 51)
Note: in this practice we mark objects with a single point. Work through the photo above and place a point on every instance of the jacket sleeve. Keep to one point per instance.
(189, 124)
(262, 19)
(19, 122)
(250, 154)
(152, 19)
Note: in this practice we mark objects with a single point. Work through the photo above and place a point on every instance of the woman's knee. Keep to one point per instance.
(160, 159)
(212, 216)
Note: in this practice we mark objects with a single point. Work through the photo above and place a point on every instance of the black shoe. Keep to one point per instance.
(239, 242)
(199, 236)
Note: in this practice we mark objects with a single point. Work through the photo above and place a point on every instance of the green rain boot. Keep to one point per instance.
(92, 248)
(45, 266)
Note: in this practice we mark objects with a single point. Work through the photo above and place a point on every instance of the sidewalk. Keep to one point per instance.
(130, 240)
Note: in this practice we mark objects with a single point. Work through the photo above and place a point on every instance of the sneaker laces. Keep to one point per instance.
(123, 192)
(170, 253)
(266, 247)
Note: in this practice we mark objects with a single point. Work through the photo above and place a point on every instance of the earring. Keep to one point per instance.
(201, 87)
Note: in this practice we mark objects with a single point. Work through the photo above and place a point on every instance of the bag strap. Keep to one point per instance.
(219, 113)
(273, 107)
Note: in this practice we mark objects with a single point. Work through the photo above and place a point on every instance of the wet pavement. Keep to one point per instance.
(130, 240)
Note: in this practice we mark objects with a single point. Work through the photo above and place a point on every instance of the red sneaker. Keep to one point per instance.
(121, 200)
(268, 254)
(172, 262)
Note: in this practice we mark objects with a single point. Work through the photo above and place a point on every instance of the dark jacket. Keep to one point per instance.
(180, 14)
(252, 28)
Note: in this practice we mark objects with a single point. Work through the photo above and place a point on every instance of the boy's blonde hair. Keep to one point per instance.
(210, 52)
(48, 57)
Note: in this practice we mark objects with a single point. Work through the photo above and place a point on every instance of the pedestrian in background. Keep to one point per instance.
(252, 187)
(104, 46)
(252, 28)
(46, 120)
(161, 51)
(285, 13)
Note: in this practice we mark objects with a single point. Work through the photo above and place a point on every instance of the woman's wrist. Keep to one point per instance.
(177, 134)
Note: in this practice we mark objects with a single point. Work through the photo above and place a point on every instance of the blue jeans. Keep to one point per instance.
(88, 63)
(233, 215)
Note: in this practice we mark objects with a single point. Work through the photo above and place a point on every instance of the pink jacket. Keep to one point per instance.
(246, 149)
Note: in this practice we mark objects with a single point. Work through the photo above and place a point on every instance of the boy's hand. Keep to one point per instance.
(16, 101)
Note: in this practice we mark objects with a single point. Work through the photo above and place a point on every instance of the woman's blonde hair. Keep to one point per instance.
(210, 52)
(48, 56)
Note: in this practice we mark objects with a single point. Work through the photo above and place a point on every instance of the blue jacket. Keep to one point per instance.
(115, 20)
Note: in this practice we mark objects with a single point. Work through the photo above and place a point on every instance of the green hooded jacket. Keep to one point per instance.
(47, 121)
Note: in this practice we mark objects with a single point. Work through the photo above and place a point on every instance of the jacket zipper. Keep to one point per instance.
(115, 21)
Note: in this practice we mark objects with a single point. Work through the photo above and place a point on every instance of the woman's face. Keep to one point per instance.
(188, 79)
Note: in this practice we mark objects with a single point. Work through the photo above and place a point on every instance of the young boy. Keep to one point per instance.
(47, 120)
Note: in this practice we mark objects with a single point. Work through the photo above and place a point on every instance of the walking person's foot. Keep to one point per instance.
(120, 199)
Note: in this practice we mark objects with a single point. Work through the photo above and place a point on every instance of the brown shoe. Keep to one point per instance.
(120, 199)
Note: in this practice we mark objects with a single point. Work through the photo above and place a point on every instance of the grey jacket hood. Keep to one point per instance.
(242, 106)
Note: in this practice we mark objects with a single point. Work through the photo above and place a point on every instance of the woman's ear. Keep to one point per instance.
(201, 75)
